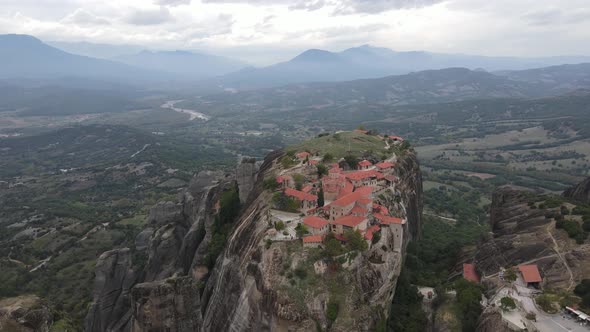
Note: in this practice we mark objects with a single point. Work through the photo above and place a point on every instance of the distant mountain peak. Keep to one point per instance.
(20, 39)
(313, 55)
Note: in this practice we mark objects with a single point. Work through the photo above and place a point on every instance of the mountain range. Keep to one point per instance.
(25, 56)
(373, 62)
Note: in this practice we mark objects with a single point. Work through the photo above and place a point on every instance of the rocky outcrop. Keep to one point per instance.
(114, 278)
(167, 305)
(247, 290)
(173, 243)
(491, 321)
(246, 178)
(25, 314)
(522, 232)
(579, 192)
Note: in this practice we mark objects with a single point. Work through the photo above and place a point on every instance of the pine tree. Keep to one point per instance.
(321, 196)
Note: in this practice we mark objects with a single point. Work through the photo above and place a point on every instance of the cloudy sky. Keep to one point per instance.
(264, 31)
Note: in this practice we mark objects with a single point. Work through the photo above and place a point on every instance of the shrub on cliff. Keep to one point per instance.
(507, 303)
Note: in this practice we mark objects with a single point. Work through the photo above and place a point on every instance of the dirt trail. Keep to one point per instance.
(556, 248)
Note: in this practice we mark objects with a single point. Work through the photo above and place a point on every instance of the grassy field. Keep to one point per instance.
(342, 144)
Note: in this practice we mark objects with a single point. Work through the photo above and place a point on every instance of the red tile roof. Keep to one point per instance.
(380, 208)
(350, 198)
(385, 165)
(469, 273)
(365, 163)
(280, 179)
(315, 222)
(350, 221)
(312, 239)
(307, 189)
(360, 175)
(359, 210)
(530, 273)
(390, 178)
(313, 162)
(346, 190)
(387, 220)
(300, 195)
(394, 137)
(370, 231)
(365, 190)
(303, 155)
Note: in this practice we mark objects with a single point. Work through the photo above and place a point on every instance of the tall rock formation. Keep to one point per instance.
(249, 288)
(524, 232)
(579, 192)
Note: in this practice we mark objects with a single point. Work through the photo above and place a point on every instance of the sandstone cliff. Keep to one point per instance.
(579, 192)
(523, 231)
(164, 284)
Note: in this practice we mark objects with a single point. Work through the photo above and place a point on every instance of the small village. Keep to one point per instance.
(337, 202)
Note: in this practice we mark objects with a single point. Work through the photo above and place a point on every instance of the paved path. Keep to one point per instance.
(545, 322)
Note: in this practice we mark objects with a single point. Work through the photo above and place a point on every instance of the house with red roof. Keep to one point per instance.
(385, 167)
(396, 138)
(302, 155)
(530, 275)
(364, 178)
(313, 241)
(349, 223)
(364, 165)
(335, 183)
(285, 181)
(470, 274)
(343, 206)
(316, 225)
(307, 201)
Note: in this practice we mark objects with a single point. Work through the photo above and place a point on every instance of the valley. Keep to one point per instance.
(120, 200)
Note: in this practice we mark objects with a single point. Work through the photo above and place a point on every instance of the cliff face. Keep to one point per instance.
(523, 234)
(579, 192)
(247, 290)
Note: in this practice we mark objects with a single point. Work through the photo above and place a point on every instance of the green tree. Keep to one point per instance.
(468, 298)
(322, 170)
(406, 314)
(507, 303)
(279, 225)
(332, 312)
(301, 230)
(321, 196)
(270, 183)
(333, 246)
(299, 180)
(351, 161)
(328, 157)
(355, 241)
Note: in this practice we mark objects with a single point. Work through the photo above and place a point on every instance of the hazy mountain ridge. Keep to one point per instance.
(371, 62)
(25, 56)
(185, 64)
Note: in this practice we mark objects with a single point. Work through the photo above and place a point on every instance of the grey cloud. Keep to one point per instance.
(342, 7)
(83, 17)
(172, 3)
(543, 17)
(221, 25)
(556, 16)
(150, 17)
(378, 6)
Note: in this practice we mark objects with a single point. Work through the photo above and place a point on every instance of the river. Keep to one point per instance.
(193, 114)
